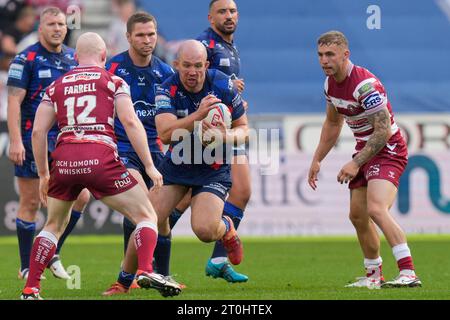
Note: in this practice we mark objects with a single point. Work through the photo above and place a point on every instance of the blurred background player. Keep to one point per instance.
(83, 102)
(29, 74)
(183, 99)
(224, 56)
(381, 155)
(142, 71)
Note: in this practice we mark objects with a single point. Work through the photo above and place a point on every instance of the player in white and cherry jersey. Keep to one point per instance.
(355, 95)
(84, 103)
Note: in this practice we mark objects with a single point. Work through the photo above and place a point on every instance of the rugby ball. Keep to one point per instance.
(220, 112)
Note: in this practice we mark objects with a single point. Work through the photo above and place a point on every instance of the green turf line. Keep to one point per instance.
(117, 239)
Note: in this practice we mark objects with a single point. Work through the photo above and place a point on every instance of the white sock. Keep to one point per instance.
(401, 251)
(372, 263)
(48, 235)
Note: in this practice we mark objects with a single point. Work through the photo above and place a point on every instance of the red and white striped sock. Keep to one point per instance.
(44, 248)
(145, 238)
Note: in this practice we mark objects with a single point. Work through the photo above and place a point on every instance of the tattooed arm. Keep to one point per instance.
(16, 148)
(381, 122)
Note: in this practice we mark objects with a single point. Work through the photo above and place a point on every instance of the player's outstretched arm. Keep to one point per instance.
(381, 122)
(43, 122)
(16, 148)
(331, 130)
(136, 133)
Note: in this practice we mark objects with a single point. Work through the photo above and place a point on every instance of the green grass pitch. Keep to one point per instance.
(279, 268)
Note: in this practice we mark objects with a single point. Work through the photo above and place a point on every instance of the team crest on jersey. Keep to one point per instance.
(58, 64)
(141, 81)
(81, 76)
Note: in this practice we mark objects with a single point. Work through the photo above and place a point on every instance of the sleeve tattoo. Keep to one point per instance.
(381, 122)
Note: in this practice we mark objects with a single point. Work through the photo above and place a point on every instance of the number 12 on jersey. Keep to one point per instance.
(88, 102)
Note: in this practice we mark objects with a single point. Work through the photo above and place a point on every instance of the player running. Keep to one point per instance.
(224, 56)
(183, 99)
(30, 73)
(355, 95)
(84, 103)
(142, 71)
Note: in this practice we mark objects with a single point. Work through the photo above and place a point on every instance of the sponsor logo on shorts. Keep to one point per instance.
(392, 174)
(373, 171)
(217, 186)
(123, 182)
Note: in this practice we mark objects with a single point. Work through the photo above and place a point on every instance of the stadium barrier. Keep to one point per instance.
(283, 203)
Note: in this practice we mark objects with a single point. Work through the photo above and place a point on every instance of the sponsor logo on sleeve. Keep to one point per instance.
(372, 101)
(366, 89)
(15, 71)
(162, 102)
(182, 113)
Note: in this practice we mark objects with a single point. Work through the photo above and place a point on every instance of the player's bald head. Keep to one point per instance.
(192, 48)
(90, 46)
(192, 63)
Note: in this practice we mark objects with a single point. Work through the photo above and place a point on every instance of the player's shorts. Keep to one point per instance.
(94, 166)
(239, 150)
(200, 179)
(132, 161)
(384, 166)
(29, 169)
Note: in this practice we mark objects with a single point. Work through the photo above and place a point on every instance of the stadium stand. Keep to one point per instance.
(277, 43)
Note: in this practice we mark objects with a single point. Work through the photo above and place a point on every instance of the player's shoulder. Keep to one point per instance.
(220, 80)
(28, 54)
(208, 38)
(118, 58)
(68, 51)
(161, 69)
(114, 62)
(363, 82)
(205, 35)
